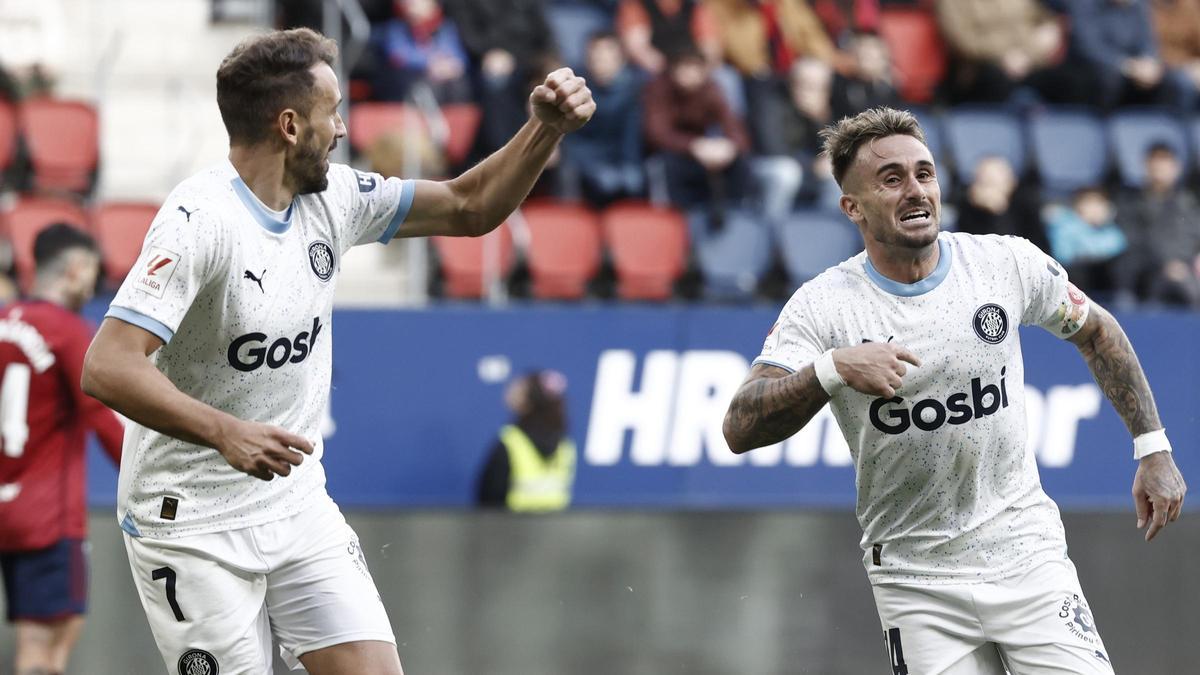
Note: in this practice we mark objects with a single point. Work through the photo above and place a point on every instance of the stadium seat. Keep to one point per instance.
(572, 23)
(814, 240)
(564, 248)
(734, 258)
(120, 228)
(8, 134)
(918, 52)
(369, 120)
(973, 133)
(1070, 149)
(26, 219)
(465, 261)
(64, 143)
(1133, 130)
(649, 247)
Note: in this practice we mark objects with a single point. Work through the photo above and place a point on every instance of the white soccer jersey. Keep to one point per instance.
(243, 298)
(947, 489)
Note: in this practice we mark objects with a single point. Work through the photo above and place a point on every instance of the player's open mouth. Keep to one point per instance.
(915, 216)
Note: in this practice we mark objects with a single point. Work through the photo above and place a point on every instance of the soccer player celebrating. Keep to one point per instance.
(44, 420)
(217, 346)
(913, 344)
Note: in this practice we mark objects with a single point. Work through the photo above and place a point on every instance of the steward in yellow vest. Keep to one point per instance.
(531, 468)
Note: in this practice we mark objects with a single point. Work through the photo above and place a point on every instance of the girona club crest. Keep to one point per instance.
(198, 662)
(991, 323)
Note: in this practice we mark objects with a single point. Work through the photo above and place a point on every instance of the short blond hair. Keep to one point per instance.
(843, 138)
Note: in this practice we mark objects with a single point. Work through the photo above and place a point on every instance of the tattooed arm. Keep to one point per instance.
(771, 405)
(1158, 487)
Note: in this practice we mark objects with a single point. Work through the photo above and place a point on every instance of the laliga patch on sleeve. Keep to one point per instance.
(157, 271)
(772, 341)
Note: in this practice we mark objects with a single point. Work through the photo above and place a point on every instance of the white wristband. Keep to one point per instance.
(1150, 443)
(827, 373)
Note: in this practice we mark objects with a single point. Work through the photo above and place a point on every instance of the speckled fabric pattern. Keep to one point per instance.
(948, 490)
(244, 303)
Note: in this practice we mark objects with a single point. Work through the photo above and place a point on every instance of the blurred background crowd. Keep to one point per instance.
(1074, 123)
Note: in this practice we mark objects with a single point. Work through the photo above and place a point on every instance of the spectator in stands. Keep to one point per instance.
(700, 140)
(32, 47)
(652, 29)
(531, 467)
(996, 203)
(844, 18)
(510, 44)
(420, 47)
(792, 135)
(998, 46)
(1177, 25)
(1162, 222)
(761, 39)
(1114, 43)
(1086, 239)
(606, 153)
(868, 81)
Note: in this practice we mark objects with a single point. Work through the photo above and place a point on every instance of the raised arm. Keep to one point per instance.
(117, 372)
(480, 199)
(1158, 487)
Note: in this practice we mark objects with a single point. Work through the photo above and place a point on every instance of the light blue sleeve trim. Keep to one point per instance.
(129, 527)
(772, 363)
(407, 190)
(142, 321)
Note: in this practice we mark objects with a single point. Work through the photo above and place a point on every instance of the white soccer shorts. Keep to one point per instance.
(215, 600)
(1036, 622)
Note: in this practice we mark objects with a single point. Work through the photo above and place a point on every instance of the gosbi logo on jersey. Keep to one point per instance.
(320, 258)
(250, 352)
(931, 414)
(157, 272)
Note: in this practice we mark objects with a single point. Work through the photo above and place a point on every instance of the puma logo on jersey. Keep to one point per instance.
(186, 212)
(256, 279)
(281, 351)
(931, 414)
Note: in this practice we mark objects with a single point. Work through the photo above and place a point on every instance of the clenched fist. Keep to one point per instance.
(874, 368)
(563, 102)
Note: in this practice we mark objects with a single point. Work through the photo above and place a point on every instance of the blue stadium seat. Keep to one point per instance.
(1133, 130)
(813, 241)
(733, 259)
(977, 132)
(1070, 149)
(572, 23)
(1194, 128)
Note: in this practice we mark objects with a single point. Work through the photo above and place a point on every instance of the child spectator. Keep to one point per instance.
(1085, 238)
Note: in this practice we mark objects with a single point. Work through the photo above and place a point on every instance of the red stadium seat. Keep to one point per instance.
(64, 143)
(29, 217)
(369, 120)
(918, 52)
(464, 259)
(120, 228)
(649, 246)
(8, 134)
(564, 248)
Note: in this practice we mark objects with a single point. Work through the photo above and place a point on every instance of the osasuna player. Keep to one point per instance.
(218, 347)
(914, 344)
(44, 421)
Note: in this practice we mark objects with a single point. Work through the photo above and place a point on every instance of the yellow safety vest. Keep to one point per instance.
(537, 484)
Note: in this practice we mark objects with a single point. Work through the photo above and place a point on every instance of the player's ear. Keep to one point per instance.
(850, 207)
(289, 130)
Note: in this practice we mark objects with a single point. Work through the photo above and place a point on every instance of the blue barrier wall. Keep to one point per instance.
(416, 403)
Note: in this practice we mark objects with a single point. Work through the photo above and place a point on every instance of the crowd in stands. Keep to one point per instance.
(713, 108)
